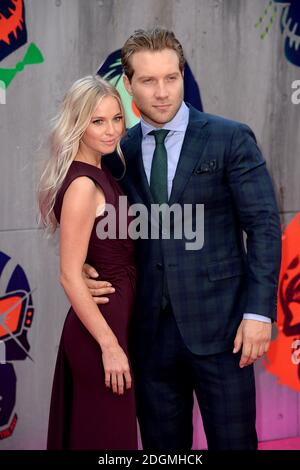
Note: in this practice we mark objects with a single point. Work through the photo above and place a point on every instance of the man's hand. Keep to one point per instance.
(255, 336)
(97, 288)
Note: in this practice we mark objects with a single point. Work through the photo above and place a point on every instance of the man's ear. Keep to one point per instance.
(127, 84)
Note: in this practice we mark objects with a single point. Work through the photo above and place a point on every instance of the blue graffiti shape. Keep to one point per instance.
(16, 314)
(290, 28)
(8, 382)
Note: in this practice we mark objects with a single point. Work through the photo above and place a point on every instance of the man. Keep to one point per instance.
(202, 316)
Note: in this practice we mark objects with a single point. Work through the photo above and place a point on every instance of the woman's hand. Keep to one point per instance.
(116, 368)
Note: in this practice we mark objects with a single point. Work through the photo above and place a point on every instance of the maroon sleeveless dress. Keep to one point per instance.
(84, 413)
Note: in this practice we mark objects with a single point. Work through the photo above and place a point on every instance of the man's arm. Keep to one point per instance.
(255, 202)
(98, 289)
(253, 316)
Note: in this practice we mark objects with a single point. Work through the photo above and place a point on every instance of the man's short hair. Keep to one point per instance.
(155, 39)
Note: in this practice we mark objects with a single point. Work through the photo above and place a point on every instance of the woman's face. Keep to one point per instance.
(106, 127)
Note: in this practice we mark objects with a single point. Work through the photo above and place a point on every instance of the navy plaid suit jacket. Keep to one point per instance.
(221, 167)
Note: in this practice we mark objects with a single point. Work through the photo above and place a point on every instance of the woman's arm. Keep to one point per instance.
(77, 219)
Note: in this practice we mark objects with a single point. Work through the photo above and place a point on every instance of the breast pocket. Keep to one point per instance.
(206, 167)
(207, 183)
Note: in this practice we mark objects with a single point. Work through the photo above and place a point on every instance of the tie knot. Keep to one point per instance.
(159, 135)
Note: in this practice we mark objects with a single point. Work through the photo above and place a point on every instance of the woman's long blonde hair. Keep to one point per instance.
(67, 129)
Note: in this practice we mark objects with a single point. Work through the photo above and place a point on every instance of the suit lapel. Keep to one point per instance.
(193, 145)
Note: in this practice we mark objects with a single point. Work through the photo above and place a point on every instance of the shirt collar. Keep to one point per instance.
(178, 123)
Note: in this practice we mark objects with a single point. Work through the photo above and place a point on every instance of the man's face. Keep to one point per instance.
(156, 85)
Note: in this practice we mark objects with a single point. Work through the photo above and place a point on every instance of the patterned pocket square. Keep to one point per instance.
(206, 167)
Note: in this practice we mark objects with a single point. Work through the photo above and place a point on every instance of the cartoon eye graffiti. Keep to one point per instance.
(289, 26)
(289, 294)
(16, 315)
(13, 33)
(283, 355)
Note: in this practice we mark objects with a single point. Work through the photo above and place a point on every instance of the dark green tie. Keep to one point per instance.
(159, 168)
(159, 185)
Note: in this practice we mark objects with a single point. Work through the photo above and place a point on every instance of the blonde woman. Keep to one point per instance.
(92, 404)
